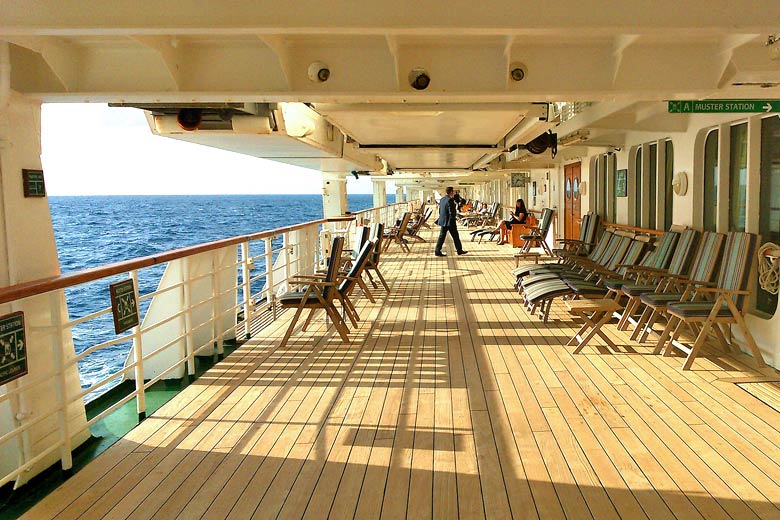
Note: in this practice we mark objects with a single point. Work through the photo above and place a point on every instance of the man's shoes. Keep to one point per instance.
(441, 254)
(462, 253)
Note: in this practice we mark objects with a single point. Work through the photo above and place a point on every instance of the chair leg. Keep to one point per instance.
(290, 328)
(364, 287)
(652, 320)
(675, 335)
(341, 327)
(702, 337)
(665, 335)
(382, 279)
(640, 324)
(757, 356)
(308, 319)
(371, 279)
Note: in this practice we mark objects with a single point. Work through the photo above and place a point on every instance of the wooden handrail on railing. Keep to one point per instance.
(635, 229)
(63, 281)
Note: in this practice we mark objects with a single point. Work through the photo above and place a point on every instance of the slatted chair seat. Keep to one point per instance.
(295, 298)
(638, 289)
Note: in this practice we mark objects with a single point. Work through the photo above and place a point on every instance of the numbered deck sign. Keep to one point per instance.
(123, 305)
(13, 351)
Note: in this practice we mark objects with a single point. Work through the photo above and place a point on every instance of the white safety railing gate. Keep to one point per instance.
(207, 294)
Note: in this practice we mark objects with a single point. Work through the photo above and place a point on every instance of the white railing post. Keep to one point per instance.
(287, 268)
(61, 389)
(270, 295)
(246, 268)
(138, 354)
(216, 315)
(185, 273)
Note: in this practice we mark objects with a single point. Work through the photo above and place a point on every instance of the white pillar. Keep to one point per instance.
(399, 193)
(28, 252)
(380, 193)
(334, 194)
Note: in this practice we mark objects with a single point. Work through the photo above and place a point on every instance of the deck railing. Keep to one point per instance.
(207, 294)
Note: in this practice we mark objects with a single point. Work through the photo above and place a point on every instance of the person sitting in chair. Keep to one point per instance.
(518, 216)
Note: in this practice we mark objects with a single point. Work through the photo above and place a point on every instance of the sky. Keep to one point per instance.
(91, 149)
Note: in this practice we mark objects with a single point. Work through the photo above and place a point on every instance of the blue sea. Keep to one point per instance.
(96, 230)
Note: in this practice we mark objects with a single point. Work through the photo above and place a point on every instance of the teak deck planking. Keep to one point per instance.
(450, 401)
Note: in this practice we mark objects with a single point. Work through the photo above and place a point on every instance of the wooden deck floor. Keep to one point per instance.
(450, 402)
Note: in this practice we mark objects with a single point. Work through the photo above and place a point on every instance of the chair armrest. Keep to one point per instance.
(716, 290)
(307, 277)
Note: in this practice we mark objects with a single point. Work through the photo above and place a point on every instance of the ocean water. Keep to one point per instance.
(97, 230)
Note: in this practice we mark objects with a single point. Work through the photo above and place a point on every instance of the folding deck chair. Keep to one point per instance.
(397, 234)
(317, 292)
(537, 236)
(727, 305)
(676, 287)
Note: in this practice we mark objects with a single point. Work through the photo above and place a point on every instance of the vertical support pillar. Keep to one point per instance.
(380, 193)
(334, 194)
(399, 193)
(28, 252)
(138, 354)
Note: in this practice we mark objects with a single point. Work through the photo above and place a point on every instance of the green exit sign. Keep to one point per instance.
(724, 106)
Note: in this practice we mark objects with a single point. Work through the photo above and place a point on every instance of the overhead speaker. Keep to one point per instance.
(542, 143)
(189, 119)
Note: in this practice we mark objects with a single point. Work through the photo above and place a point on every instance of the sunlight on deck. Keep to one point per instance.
(450, 401)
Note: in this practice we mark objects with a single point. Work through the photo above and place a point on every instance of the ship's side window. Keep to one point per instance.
(638, 188)
(710, 216)
(668, 192)
(653, 185)
(611, 162)
(738, 177)
(769, 221)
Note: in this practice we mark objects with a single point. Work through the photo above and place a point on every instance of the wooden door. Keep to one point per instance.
(571, 208)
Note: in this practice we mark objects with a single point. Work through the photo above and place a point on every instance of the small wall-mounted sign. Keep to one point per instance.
(123, 305)
(13, 352)
(621, 183)
(519, 179)
(33, 183)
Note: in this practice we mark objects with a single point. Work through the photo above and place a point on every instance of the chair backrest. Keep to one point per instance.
(357, 268)
(627, 253)
(662, 252)
(597, 255)
(494, 209)
(402, 227)
(361, 235)
(377, 232)
(584, 225)
(707, 256)
(683, 253)
(591, 228)
(544, 224)
(736, 263)
(334, 260)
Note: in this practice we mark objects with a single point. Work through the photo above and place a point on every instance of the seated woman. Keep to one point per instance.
(518, 216)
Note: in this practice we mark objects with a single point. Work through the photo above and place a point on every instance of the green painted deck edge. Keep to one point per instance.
(104, 434)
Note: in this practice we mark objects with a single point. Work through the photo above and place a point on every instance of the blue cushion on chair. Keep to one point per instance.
(696, 309)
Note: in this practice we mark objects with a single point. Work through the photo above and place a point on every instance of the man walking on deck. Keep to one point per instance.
(447, 214)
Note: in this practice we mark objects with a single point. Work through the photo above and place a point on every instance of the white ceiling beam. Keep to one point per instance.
(169, 50)
(63, 58)
(281, 48)
(393, 47)
(620, 44)
(727, 47)
(382, 17)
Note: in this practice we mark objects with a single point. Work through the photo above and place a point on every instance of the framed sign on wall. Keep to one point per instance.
(621, 182)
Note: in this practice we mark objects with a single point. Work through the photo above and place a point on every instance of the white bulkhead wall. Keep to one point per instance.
(28, 252)
(687, 209)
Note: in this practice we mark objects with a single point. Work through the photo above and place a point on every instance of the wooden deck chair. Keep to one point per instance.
(373, 260)
(727, 305)
(656, 260)
(348, 282)
(397, 234)
(581, 246)
(677, 287)
(413, 230)
(565, 263)
(537, 236)
(651, 279)
(348, 256)
(317, 292)
(541, 295)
